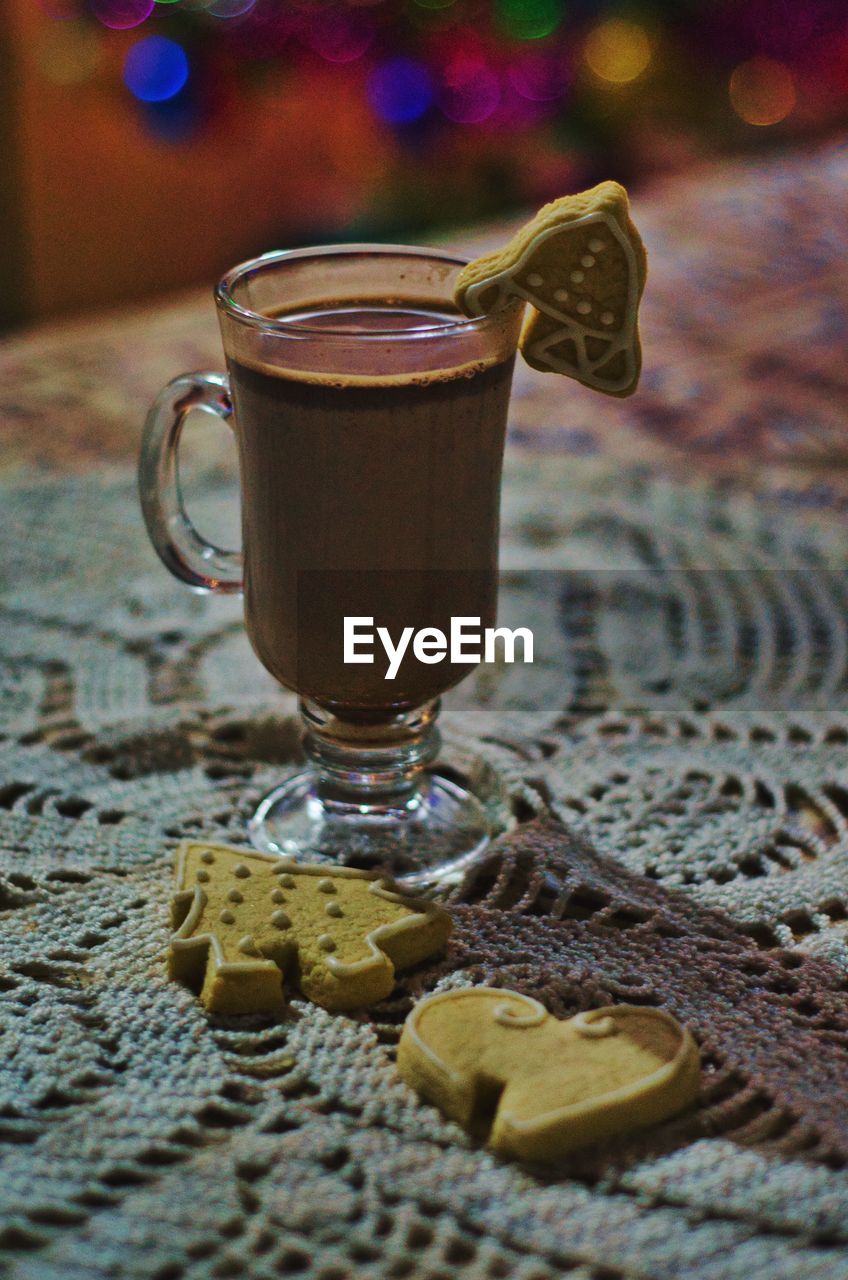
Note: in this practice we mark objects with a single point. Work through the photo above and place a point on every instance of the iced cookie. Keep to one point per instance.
(581, 265)
(501, 1066)
(243, 920)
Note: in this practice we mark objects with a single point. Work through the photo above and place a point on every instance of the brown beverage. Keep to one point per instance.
(372, 494)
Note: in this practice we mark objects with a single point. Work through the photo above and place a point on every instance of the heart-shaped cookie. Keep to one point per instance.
(500, 1065)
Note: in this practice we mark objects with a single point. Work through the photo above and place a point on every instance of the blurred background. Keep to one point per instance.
(150, 144)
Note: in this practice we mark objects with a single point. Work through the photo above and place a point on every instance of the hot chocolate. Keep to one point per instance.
(373, 494)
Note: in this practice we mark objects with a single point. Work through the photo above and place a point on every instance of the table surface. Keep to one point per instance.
(681, 558)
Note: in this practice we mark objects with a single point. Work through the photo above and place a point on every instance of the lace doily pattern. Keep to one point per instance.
(687, 723)
(685, 719)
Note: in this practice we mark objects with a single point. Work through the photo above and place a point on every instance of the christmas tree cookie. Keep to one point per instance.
(243, 921)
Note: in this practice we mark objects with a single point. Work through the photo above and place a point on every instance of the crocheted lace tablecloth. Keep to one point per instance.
(671, 776)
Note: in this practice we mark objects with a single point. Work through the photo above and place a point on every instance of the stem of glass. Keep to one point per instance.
(371, 767)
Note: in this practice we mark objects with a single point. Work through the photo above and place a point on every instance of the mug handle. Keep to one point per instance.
(176, 541)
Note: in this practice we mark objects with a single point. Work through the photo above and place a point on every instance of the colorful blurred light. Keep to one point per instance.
(470, 91)
(618, 50)
(339, 34)
(762, 91)
(400, 90)
(529, 19)
(538, 78)
(69, 52)
(60, 10)
(230, 8)
(121, 15)
(155, 69)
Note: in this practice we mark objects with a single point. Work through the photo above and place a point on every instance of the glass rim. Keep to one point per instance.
(296, 329)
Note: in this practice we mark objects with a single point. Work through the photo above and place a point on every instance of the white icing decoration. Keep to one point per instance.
(542, 350)
(235, 896)
(577, 277)
(584, 307)
(607, 317)
(593, 1028)
(534, 279)
(247, 946)
(587, 260)
(533, 1014)
(596, 245)
(561, 295)
(241, 871)
(326, 942)
(227, 917)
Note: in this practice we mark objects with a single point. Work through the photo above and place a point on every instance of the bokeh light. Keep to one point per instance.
(69, 52)
(470, 91)
(59, 10)
(155, 69)
(762, 91)
(121, 15)
(538, 77)
(339, 34)
(618, 50)
(400, 90)
(230, 8)
(529, 19)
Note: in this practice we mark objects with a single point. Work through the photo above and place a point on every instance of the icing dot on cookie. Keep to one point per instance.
(326, 943)
(584, 307)
(247, 945)
(287, 881)
(596, 245)
(334, 909)
(277, 895)
(607, 317)
(241, 871)
(587, 260)
(534, 279)
(227, 917)
(207, 856)
(577, 277)
(280, 919)
(326, 886)
(202, 876)
(561, 295)
(235, 896)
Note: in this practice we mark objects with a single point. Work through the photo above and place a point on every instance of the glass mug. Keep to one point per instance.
(370, 417)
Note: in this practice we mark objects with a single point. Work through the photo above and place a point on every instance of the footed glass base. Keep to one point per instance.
(427, 838)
